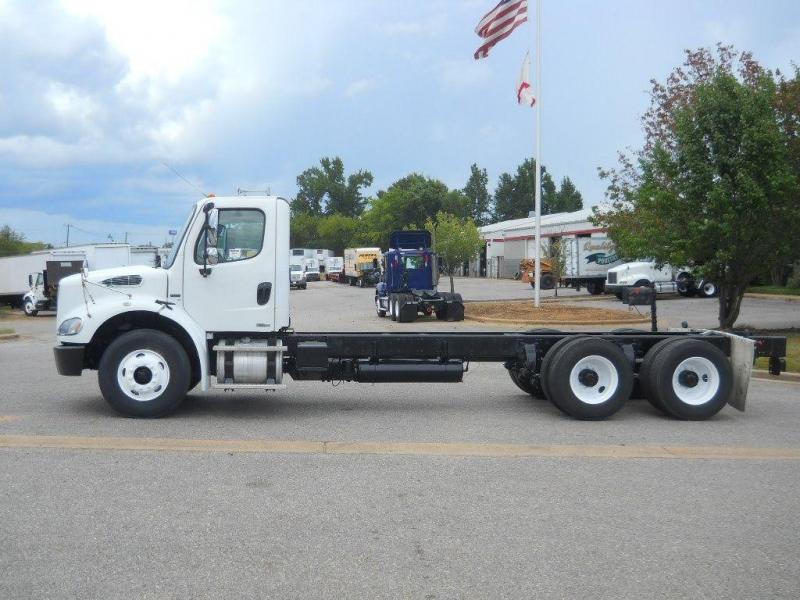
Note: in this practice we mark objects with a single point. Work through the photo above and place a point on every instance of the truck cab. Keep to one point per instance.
(408, 286)
(150, 331)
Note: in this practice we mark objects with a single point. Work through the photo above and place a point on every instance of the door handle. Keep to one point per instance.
(263, 292)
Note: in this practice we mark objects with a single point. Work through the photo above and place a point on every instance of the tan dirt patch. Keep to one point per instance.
(551, 313)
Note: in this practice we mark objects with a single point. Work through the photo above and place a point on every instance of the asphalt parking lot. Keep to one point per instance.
(421, 491)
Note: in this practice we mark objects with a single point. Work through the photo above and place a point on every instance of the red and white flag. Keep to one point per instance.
(498, 23)
(524, 90)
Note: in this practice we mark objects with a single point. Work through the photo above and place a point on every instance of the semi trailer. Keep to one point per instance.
(216, 315)
(408, 288)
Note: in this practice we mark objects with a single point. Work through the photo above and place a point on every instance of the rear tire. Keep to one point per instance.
(590, 379)
(529, 385)
(549, 358)
(393, 306)
(691, 379)
(647, 368)
(144, 373)
(708, 290)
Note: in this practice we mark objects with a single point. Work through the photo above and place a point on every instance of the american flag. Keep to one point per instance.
(499, 22)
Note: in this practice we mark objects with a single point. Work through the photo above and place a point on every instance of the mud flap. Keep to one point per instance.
(742, 356)
(455, 311)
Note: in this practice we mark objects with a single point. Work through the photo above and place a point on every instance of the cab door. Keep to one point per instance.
(234, 293)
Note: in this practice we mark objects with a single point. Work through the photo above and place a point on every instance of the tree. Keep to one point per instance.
(455, 241)
(713, 183)
(303, 230)
(13, 242)
(514, 196)
(407, 204)
(337, 232)
(325, 189)
(568, 198)
(477, 192)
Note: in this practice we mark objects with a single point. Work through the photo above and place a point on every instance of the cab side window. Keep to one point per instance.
(240, 235)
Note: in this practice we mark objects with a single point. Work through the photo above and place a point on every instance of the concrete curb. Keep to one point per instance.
(551, 322)
(757, 296)
(783, 377)
(8, 336)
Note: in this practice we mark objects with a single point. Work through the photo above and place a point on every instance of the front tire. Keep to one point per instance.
(144, 373)
(708, 289)
(30, 308)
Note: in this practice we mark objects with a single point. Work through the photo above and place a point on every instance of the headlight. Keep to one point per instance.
(70, 326)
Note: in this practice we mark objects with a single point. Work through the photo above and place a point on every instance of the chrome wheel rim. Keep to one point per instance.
(143, 375)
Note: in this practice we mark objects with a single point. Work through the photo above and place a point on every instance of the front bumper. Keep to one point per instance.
(69, 359)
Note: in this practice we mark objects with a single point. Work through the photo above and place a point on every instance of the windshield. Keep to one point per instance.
(178, 240)
(295, 268)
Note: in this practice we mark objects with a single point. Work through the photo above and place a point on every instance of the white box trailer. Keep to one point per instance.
(587, 260)
(14, 270)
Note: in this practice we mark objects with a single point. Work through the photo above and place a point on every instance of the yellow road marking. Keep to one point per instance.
(398, 448)
(7, 418)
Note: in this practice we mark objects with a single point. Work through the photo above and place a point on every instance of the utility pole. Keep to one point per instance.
(67, 226)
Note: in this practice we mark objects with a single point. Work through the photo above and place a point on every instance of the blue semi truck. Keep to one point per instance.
(408, 286)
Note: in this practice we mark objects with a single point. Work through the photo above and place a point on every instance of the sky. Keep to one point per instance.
(96, 96)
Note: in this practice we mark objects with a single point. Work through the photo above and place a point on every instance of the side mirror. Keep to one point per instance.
(374, 263)
(211, 214)
(212, 256)
(158, 261)
(30, 280)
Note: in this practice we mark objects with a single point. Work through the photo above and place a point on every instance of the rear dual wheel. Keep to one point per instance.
(687, 379)
(587, 378)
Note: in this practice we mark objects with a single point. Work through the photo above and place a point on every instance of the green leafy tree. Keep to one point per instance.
(304, 230)
(407, 204)
(325, 189)
(713, 186)
(514, 196)
(337, 232)
(477, 192)
(455, 241)
(568, 198)
(13, 243)
(788, 111)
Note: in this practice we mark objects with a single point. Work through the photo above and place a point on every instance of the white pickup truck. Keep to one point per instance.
(666, 279)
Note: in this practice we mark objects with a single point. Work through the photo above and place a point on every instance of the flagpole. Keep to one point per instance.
(538, 181)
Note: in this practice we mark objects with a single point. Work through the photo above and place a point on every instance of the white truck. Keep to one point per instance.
(334, 268)
(297, 276)
(19, 274)
(665, 279)
(586, 262)
(217, 315)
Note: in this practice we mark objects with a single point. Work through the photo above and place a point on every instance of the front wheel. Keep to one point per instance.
(30, 308)
(144, 373)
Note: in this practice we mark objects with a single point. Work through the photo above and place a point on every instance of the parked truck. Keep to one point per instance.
(586, 261)
(334, 268)
(362, 266)
(217, 315)
(410, 275)
(43, 292)
(664, 279)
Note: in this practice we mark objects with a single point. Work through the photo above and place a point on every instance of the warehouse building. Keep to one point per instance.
(508, 242)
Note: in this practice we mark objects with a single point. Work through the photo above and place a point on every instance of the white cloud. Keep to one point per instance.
(359, 86)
